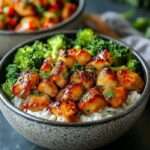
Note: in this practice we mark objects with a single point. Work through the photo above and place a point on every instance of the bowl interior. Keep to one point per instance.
(8, 59)
(77, 13)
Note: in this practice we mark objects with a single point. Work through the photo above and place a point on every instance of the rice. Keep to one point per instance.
(107, 112)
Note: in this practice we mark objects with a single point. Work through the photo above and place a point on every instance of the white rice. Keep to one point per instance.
(107, 112)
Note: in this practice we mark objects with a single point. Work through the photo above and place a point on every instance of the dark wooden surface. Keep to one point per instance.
(138, 138)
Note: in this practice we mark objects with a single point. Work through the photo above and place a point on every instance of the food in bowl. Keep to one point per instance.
(32, 15)
(74, 79)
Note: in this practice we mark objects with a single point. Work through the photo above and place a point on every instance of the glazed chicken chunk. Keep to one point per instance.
(130, 80)
(47, 65)
(25, 83)
(67, 109)
(71, 92)
(102, 60)
(36, 103)
(59, 74)
(107, 78)
(92, 101)
(80, 55)
(48, 87)
(69, 61)
(85, 77)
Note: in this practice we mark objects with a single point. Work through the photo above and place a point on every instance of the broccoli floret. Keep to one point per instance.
(56, 43)
(95, 46)
(12, 72)
(133, 64)
(7, 86)
(119, 53)
(30, 56)
(83, 37)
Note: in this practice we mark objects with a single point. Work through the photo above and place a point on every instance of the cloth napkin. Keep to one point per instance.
(130, 36)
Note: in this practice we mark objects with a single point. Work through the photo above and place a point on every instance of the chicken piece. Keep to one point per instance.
(69, 111)
(130, 80)
(47, 65)
(68, 10)
(40, 2)
(28, 24)
(48, 23)
(117, 96)
(69, 61)
(66, 109)
(36, 103)
(55, 108)
(48, 87)
(100, 61)
(71, 92)
(87, 78)
(107, 78)
(24, 9)
(5, 3)
(25, 84)
(59, 74)
(92, 101)
(81, 56)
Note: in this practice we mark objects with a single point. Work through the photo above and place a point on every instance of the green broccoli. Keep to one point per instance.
(56, 43)
(30, 56)
(95, 46)
(83, 37)
(119, 53)
(7, 86)
(133, 64)
(12, 72)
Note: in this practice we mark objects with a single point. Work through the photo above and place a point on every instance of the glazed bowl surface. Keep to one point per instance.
(73, 136)
(8, 39)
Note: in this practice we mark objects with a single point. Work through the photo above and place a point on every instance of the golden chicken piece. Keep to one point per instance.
(130, 80)
(5, 3)
(71, 92)
(47, 65)
(118, 97)
(36, 103)
(55, 108)
(69, 111)
(25, 83)
(66, 109)
(68, 10)
(28, 24)
(24, 9)
(106, 78)
(86, 78)
(81, 56)
(92, 101)
(102, 60)
(69, 61)
(59, 74)
(48, 87)
(40, 2)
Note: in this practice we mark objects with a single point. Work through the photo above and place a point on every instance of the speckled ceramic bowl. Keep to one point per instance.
(9, 39)
(71, 136)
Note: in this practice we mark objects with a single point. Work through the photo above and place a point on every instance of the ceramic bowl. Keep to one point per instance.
(72, 136)
(9, 39)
